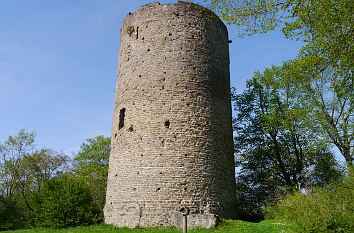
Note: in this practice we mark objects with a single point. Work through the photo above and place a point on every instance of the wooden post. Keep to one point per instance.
(184, 211)
(184, 223)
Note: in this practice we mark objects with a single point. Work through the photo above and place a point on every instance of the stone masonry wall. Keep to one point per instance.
(172, 140)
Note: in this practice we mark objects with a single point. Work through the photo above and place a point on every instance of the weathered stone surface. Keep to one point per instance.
(197, 220)
(171, 136)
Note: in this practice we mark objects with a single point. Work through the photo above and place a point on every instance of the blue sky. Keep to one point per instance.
(58, 64)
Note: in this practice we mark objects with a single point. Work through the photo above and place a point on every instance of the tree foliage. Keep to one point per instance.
(92, 159)
(329, 96)
(325, 26)
(23, 171)
(91, 164)
(277, 148)
(65, 201)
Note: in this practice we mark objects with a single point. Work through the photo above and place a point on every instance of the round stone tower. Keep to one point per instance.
(172, 142)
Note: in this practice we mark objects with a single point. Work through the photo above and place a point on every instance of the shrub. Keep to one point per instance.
(65, 201)
(327, 209)
(12, 214)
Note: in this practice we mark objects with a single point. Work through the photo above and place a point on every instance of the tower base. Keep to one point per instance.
(138, 216)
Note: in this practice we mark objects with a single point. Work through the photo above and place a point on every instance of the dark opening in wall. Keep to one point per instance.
(167, 124)
(121, 118)
(130, 129)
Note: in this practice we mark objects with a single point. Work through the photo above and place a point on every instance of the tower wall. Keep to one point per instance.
(172, 140)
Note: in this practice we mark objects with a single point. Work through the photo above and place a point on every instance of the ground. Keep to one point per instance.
(234, 226)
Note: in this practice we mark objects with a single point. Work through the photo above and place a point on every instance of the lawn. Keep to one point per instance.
(226, 226)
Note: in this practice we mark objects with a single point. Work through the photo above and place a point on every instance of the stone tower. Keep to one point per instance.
(172, 142)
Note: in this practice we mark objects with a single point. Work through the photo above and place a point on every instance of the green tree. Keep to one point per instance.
(65, 201)
(91, 164)
(23, 170)
(276, 147)
(329, 96)
(14, 201)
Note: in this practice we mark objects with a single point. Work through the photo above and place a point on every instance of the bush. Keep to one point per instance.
(328, 209)
(12, 214)
(65, 201)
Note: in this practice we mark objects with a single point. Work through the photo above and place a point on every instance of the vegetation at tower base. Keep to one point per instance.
(91, 165)
(323, 209)
(23, 172)
(66, 201)
(39, 187)
(277, 146)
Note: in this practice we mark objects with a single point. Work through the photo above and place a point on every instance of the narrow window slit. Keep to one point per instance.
(167, 124)
(121, 118)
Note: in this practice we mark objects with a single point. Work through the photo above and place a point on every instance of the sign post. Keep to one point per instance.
(184, 211)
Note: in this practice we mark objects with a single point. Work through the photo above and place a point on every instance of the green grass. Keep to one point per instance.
(226, 226)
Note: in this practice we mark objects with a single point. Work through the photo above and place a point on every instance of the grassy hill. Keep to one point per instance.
(226, 226)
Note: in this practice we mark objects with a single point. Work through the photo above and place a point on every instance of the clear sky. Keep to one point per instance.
(58, 64)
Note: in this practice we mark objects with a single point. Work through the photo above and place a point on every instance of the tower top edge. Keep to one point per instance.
(173, 6)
